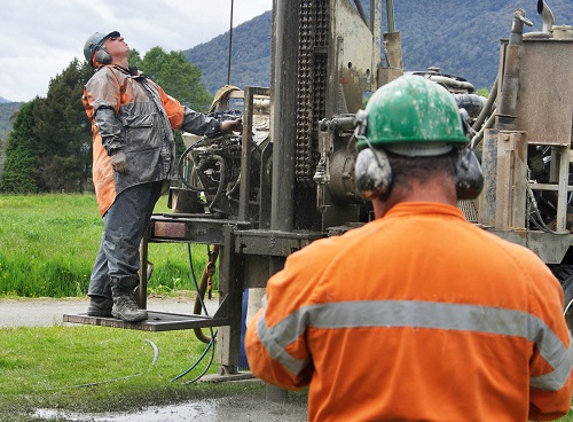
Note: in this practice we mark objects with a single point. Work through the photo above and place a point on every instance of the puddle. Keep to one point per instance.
(215, 410)
(183, 412)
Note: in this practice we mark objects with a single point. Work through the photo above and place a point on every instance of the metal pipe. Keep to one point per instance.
(390, 15)
(283, 112)
(360, 10)
(546, 15)
(454, 83)
(199, 305)
(230, 45)
(507, 109)
(548, 22)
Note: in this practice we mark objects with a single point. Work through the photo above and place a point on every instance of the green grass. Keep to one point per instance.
(94, 369)
(49, 243)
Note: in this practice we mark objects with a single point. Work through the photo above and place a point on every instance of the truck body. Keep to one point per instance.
(288, 178)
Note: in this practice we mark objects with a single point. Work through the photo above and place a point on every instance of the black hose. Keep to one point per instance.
(222, 182)
(539, 223)
(211, 344)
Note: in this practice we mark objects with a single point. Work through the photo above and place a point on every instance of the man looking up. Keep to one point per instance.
(132, 121)
(419, 314)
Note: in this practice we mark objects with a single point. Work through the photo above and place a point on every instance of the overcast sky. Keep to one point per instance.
(39, 38)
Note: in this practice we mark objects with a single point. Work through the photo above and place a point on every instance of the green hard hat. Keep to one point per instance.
(413, 116)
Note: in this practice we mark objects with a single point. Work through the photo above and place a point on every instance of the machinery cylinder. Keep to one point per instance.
(283, 112)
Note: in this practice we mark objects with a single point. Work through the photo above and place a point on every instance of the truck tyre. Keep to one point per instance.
(564, 274)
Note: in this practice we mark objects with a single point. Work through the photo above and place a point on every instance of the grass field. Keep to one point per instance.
(47, 247)
(49, 243)
(92, 370)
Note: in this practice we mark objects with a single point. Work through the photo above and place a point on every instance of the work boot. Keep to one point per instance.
(100, 306)
(124, 304)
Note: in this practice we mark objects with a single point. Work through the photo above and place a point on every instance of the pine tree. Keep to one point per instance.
(50, 146)
(64, 133)
(21, 154)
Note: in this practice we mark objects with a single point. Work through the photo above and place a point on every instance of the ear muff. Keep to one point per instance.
(101, 56)
(372, 174)
(469, 177)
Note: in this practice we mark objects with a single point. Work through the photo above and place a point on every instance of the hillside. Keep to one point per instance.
(7, 110)
(461, 37)
(251, 56)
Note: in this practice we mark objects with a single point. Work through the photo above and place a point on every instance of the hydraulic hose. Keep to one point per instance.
(222, 181)
(211, 342)
(488, 106)
(185, 178)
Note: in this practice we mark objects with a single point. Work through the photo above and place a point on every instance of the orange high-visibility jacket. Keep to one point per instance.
(131, 113)
(419, 315)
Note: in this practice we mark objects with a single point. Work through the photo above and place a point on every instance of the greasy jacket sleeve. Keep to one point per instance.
(273, 356)
(103, 96)
(184, 118)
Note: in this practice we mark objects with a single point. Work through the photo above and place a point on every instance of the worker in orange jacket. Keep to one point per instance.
(132, 121)
(419, 314)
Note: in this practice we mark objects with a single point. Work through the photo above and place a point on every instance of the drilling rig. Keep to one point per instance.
(526, 147)
(288, 178)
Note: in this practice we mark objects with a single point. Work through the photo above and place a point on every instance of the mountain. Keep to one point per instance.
(462, 38)
(250, 59)
(7, 110)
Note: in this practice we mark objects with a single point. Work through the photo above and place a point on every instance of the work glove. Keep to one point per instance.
(119, 162)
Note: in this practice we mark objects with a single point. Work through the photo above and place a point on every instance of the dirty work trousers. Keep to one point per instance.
(124, 225)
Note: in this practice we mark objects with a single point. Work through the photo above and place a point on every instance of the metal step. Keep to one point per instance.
(158, 321)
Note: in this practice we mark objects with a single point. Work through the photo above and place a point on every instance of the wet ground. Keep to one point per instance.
(49, 312)
(214, 410)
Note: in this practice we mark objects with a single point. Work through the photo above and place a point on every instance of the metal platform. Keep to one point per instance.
(158, 321)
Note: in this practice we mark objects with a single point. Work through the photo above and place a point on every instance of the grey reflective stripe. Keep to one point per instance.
(274, 341)
(419, 314)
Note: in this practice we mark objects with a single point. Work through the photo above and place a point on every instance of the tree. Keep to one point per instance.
(134, 58)
(177, 77)
(21, 153)
(50, 147)
(63, 132)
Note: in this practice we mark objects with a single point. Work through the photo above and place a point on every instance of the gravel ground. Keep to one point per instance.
(48, 311)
